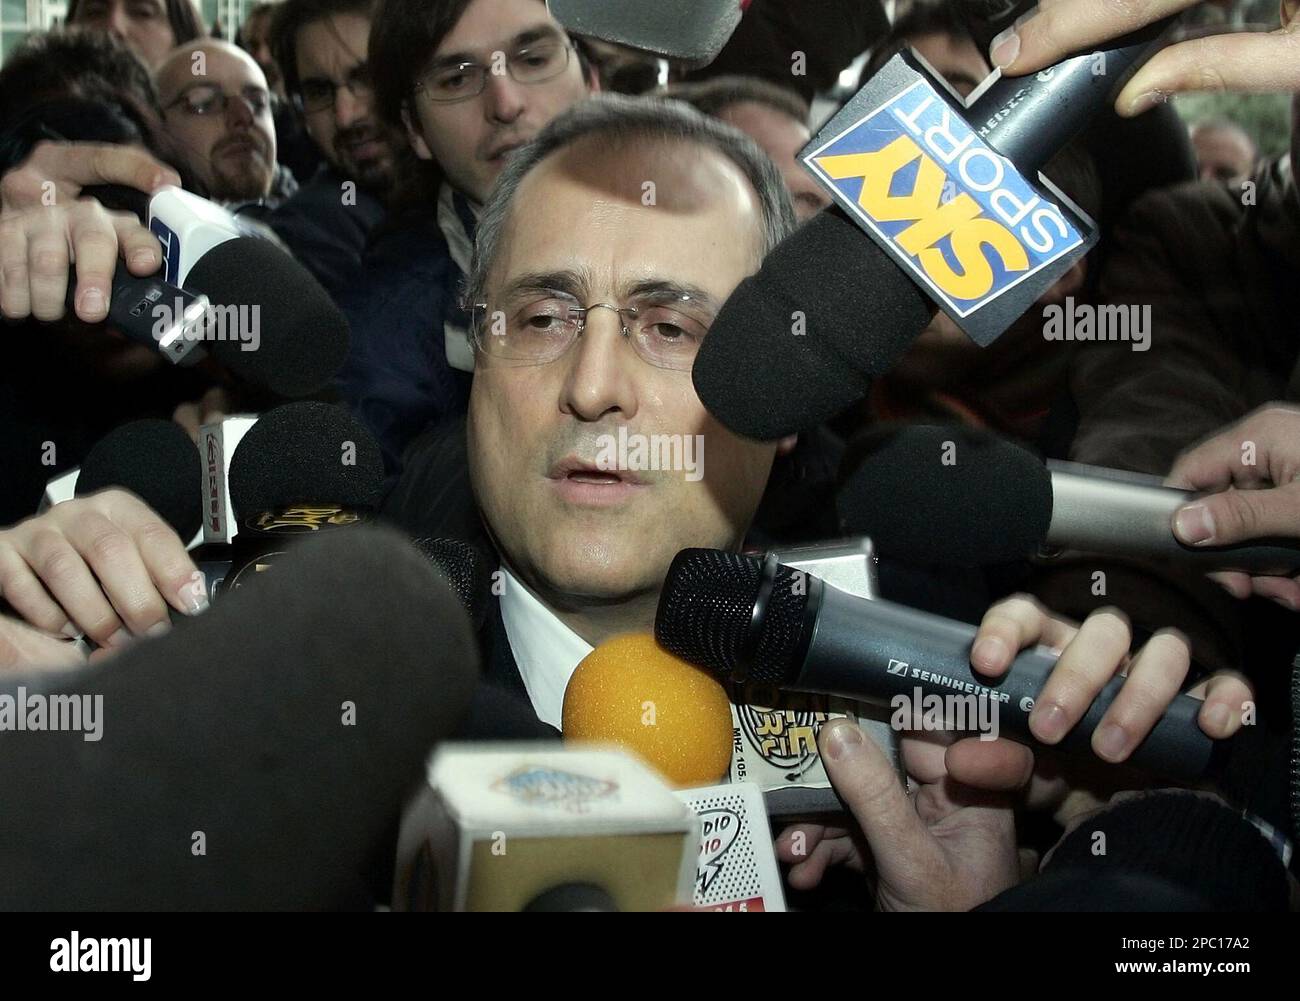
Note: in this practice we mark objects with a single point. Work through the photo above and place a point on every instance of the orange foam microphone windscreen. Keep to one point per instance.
(632, 692)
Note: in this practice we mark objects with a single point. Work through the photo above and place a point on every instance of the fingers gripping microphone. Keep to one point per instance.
(951, 202)
(691, 31)
(227, 292)
(955, 496)
(760, 620)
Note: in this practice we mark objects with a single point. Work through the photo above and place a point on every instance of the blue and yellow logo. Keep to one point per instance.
(958, 213)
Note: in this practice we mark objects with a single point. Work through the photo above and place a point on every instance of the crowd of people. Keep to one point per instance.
(441, 166)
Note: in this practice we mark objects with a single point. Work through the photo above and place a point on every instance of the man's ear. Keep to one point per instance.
(786, 445)
(413, 135)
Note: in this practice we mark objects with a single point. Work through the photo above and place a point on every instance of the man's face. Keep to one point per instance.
(330, 52)
(781, 138)
(579, 534)
(232, 149)
(1223, 154)
(141, 24)
(256, 39)
(470, 138)
(958, 60)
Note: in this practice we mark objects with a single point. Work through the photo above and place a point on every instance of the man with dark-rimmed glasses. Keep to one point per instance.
(469, 81)
(321, 47)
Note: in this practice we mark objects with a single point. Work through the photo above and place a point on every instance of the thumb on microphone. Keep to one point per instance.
(1233, 516)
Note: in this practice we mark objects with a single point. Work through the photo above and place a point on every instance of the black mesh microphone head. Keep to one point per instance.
(798, 342)
(301, 337)
(706, 611)
(465, 570)
(156, 461)
(305, 453)
(945, 495)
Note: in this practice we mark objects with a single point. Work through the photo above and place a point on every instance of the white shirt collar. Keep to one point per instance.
(546, 650)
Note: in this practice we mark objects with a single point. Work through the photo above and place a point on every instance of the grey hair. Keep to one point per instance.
(617, 117)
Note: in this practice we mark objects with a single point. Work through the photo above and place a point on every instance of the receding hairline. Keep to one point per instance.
(644, 146)
(182, 54)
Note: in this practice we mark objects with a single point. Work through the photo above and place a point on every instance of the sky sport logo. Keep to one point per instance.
(961, 217)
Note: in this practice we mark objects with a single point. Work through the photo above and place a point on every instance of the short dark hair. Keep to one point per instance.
(291, 17)
(182, 15)
(949, 18)
(403, 37)
(715, 95)
(264, 9)
(75, 63)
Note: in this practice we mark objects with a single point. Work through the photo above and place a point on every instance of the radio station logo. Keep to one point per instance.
(536, 785)
(955, 211)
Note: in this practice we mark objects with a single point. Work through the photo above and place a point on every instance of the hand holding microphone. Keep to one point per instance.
(37, 233)
(1255, 467)
(1255, 61)
(945, 847)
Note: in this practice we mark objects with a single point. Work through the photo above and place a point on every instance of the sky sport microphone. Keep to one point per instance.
(690, 31)
(951, 200)
(949, 495)
(744, 617)
(255, 758)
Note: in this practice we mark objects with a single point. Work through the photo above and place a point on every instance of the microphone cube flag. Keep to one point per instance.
(737, 862)
(515, 827)
(981, 238)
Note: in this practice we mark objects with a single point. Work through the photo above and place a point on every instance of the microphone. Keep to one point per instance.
(304, 468)
(746, 618)
(953, 495)
(952, 205)
(463, 566)
(631, 692)
(690, 31)
(255, 758)
(156, 461)
(153, 459)
(530, 827)
(227, 291)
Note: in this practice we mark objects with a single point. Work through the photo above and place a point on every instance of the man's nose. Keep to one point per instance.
(348, 108)
(239, 114)
(504, 99)
(601, 376)
(117, 23)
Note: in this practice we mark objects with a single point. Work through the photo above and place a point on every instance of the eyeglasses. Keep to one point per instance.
(318, 93)
(537, 63)
(539, 329)
(209, 99)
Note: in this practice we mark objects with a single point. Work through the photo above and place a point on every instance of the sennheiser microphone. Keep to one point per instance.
(255, 758)
(955, 216)
(949, 495)
(690, 31)
(759, 620)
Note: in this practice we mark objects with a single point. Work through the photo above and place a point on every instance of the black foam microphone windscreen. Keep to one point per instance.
(256, 758)
(301, 337)
(688, 31)
(305, 453)
(156, 461)
(463, 566)
(797, 342)
(945, 494)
